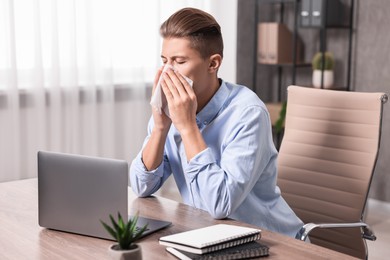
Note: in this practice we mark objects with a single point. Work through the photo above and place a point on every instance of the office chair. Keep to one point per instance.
(326, 162)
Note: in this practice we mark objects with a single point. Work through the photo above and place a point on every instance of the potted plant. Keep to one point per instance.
(279, 124)
(323, 63)
(125, 234)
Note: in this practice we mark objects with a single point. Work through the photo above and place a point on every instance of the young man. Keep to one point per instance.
(217, 141)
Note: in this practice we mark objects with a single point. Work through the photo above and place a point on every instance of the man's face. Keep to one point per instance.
(178, 53)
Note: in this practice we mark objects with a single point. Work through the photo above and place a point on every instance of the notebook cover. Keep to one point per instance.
(211, 238)
(244, 251)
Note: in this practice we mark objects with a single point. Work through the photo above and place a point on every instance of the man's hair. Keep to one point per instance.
(199, 27)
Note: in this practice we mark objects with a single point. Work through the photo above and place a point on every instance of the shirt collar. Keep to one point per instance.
(210, 111)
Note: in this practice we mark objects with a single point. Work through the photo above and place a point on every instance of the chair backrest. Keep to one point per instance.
(327, 159)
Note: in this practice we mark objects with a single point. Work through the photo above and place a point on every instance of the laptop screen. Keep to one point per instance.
(75, 192)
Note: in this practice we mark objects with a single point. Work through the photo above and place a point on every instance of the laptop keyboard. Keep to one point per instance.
(139, 228)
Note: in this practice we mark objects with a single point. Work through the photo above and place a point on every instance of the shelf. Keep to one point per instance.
(301, 65)
(340, 88)
(337, 88)
(277, 1)
(280, 69)
(347, 27)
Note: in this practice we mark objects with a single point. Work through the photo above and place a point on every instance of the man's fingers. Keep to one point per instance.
(173, 76)
(170, 85)
(166, 90)
(184, 82)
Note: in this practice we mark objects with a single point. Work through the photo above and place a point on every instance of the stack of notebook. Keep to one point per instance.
(220, 241)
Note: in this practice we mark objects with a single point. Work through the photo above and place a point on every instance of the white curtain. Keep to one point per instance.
(74, 77)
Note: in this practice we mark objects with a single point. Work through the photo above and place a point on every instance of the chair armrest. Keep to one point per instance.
(303, 233)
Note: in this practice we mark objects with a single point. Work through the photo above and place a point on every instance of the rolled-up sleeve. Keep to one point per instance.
(143, 182)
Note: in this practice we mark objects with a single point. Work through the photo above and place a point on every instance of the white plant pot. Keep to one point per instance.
(132, 254)
(328, 78)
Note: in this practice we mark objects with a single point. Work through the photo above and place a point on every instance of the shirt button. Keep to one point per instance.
(205, 122)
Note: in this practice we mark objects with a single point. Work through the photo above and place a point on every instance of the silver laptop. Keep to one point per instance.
(75, 192)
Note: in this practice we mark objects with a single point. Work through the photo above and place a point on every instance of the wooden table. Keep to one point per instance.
(22, 238)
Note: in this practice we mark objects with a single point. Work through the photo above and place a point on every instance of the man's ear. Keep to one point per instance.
(215, 63)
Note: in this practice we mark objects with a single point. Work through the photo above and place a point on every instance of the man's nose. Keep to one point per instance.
(168, 65)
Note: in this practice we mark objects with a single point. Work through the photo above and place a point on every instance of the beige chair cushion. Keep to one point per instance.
(326, 160)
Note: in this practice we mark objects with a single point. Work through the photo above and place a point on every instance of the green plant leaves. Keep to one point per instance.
(124, 233)
(323, 61)
(279, 124)
(109, 229)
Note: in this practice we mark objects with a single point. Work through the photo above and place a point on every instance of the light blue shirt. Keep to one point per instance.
(236, 175)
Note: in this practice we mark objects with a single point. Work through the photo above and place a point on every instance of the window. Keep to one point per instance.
(81, 42)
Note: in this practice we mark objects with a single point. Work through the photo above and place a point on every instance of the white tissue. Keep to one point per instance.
(159, 101)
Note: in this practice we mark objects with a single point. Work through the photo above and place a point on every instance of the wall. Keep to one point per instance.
(372, 73)
(225, 12)
(370, 65)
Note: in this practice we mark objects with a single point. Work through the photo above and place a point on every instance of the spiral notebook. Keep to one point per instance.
(244, 251)
(211, 238)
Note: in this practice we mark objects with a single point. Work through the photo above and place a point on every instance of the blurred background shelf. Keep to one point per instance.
(307, 23)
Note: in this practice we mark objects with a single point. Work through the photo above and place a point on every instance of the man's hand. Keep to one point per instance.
(161, 121)
(152, 154)
(182, 102)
